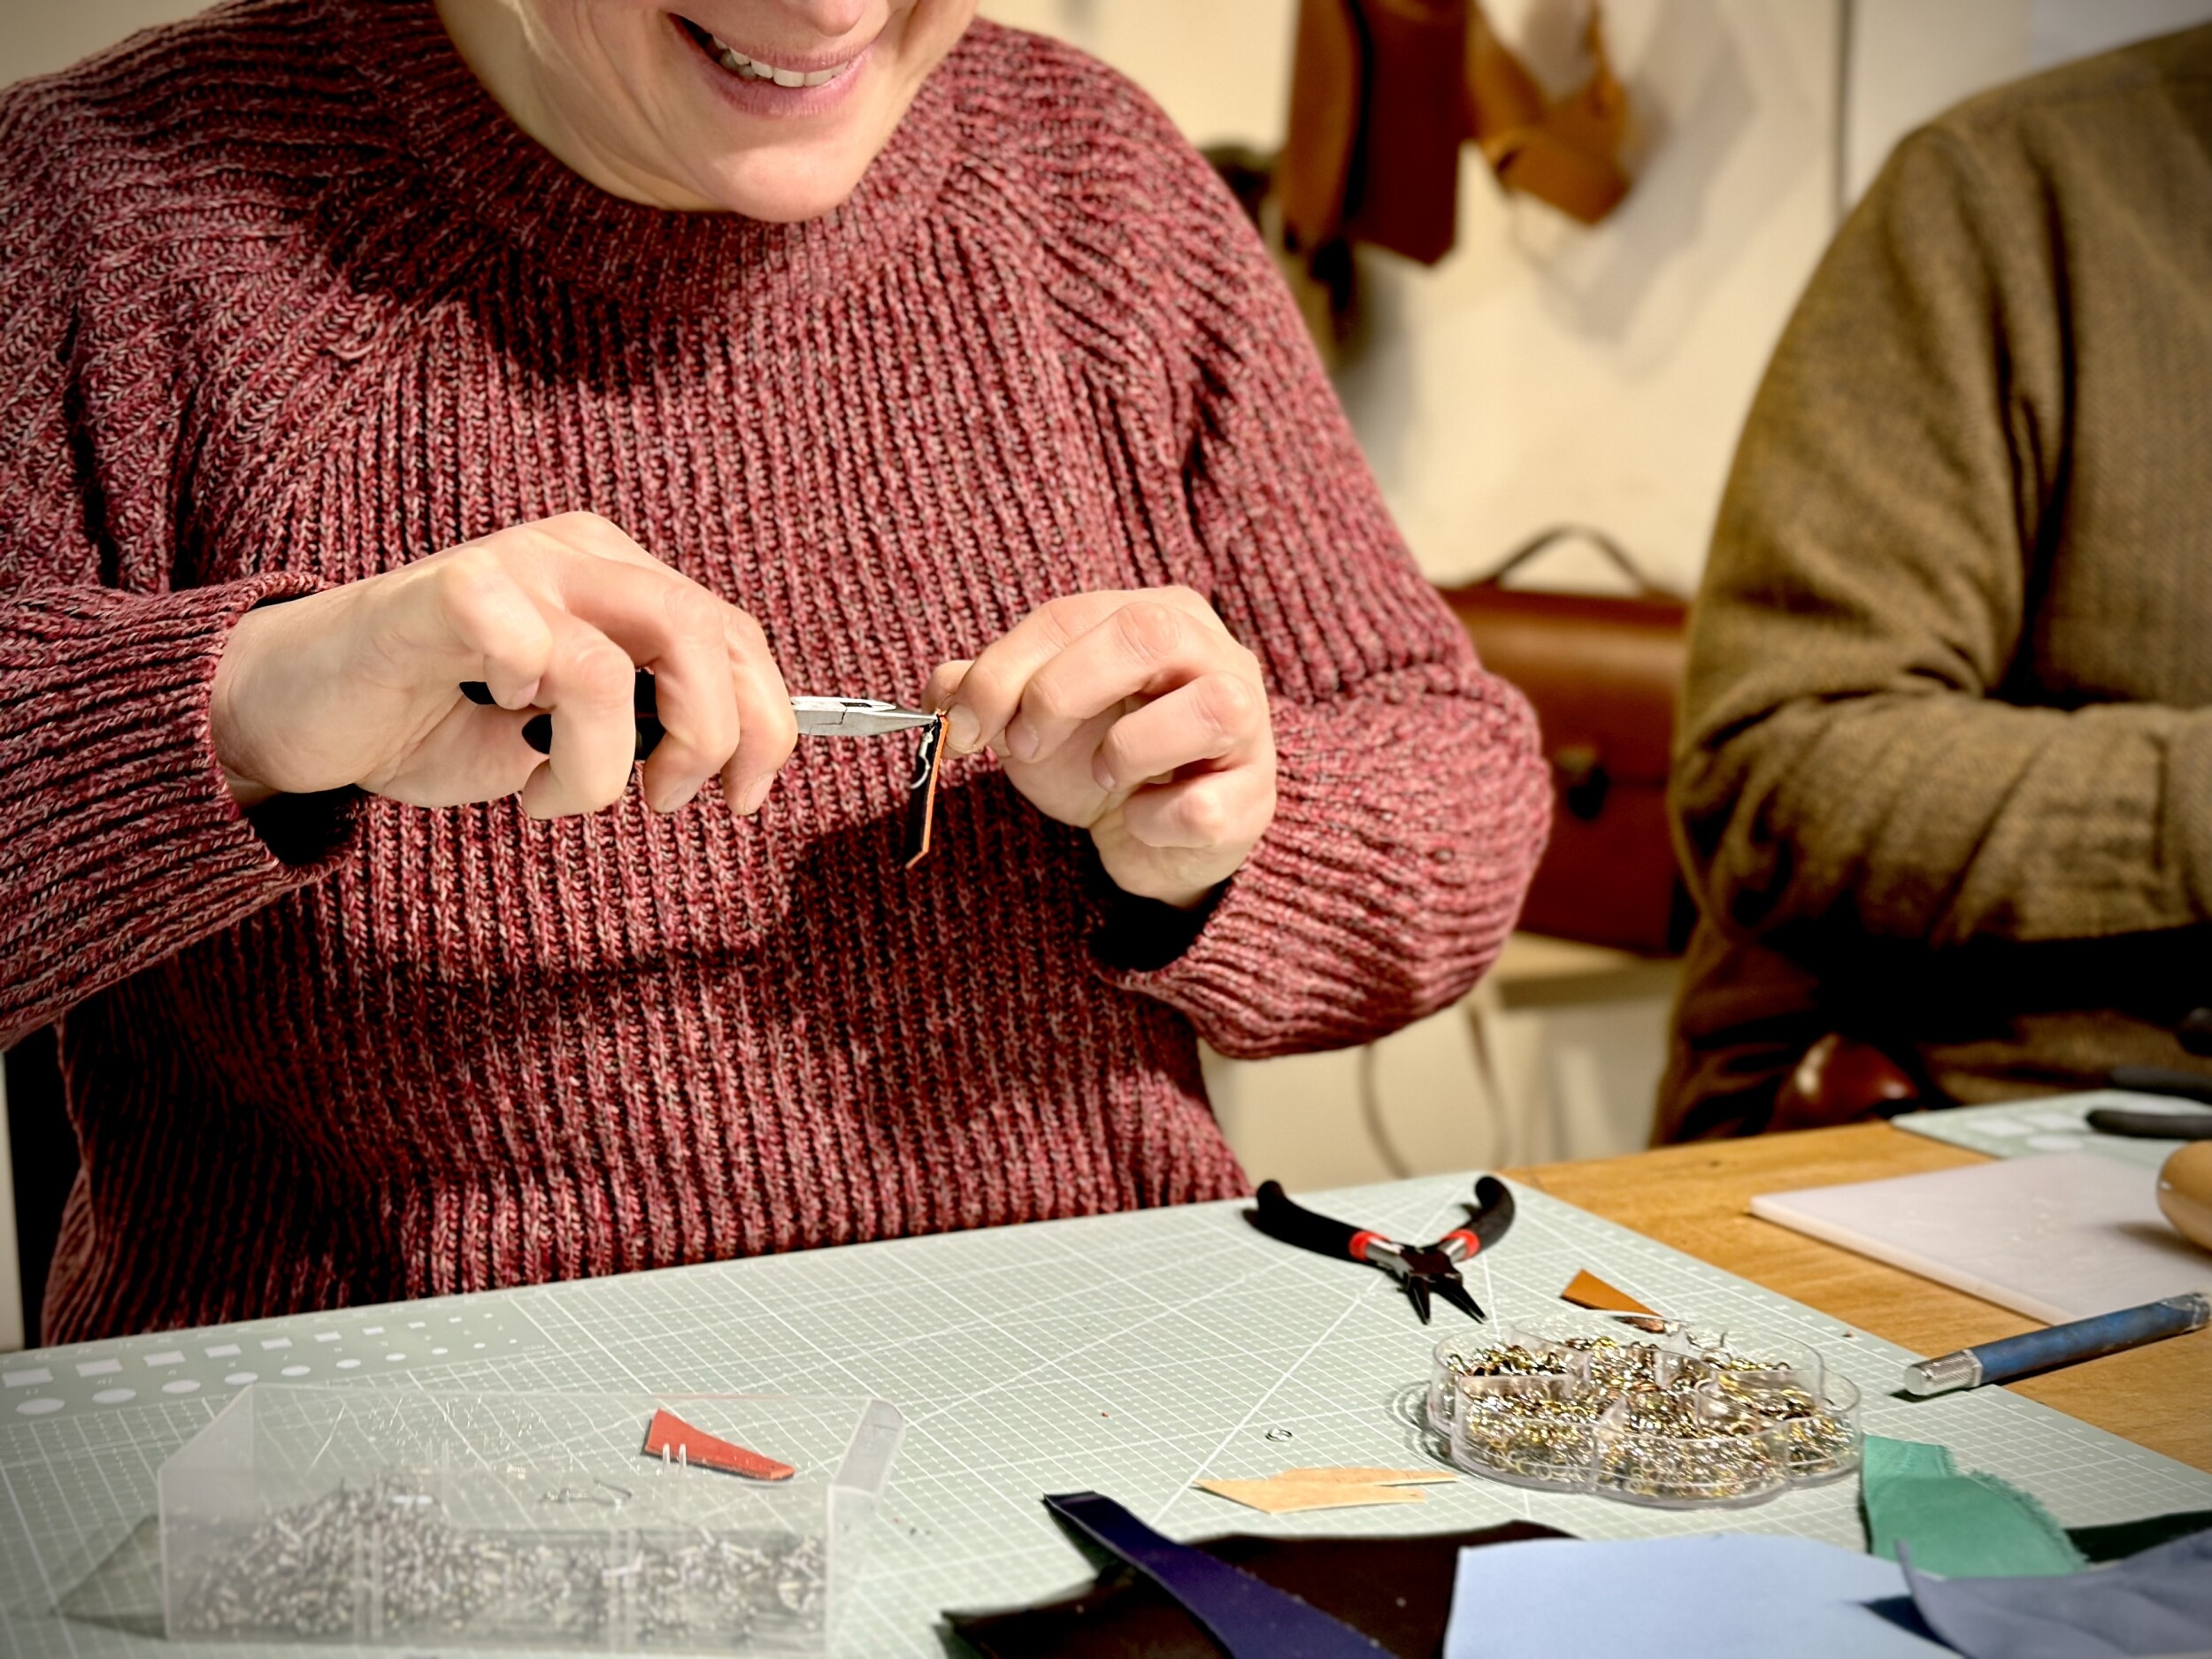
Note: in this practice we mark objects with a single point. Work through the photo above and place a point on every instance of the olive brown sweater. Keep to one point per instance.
(1945, 774)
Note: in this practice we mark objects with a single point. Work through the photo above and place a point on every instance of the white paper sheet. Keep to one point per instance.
(2057, 1237)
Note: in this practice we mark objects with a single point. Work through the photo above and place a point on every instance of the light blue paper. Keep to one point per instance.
(1727, 1596)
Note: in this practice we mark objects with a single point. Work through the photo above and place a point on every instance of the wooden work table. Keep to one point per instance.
(1698, 1199)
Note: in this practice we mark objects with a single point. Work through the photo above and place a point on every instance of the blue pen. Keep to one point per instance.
(2060, 1345)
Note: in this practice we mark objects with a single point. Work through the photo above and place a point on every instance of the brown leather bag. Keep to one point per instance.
(1604, 674)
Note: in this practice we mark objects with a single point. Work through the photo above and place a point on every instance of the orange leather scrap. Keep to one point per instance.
(669, 1436)
(921, 794)
(1585, 1289)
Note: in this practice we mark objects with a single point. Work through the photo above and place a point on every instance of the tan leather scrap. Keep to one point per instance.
(1585, 1289)
(1566, 153)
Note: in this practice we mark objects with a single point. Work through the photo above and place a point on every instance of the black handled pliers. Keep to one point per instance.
(1422, 1271)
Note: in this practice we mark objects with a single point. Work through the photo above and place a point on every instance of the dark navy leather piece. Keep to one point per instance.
(1251, 1620)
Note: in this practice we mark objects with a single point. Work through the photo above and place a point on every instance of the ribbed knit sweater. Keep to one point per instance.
(285, 301)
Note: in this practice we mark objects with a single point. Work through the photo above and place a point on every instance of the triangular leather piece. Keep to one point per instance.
(1585, 1289)
(1278, 1496)
(669, 1436)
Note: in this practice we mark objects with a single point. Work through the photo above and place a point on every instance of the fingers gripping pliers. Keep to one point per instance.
(1422, 1271)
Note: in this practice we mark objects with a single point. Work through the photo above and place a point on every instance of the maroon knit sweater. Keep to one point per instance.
(285, 301)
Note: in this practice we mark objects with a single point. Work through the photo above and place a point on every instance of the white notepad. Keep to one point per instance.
(2056, 1238)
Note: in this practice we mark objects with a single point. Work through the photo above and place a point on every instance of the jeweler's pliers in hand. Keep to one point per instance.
(817, 717)
(1421, 1270)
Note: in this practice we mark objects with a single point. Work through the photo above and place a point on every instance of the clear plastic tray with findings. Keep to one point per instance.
(1686, 1419)
(387, 1516)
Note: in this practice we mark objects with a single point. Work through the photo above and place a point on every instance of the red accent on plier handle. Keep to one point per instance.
(1361, 1240)
(1468, 1239)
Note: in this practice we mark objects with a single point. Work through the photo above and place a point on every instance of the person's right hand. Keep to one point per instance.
(360, 684)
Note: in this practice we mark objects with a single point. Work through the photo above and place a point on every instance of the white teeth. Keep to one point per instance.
(752, 69)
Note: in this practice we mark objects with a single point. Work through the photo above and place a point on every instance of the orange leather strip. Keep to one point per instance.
(921, 800)
(669, 1436)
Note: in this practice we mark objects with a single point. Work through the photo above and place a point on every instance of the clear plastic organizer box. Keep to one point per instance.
(383, 1516)
(1682, 1418)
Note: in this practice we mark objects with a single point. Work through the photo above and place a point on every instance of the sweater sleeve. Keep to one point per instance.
(119, 841)
(1412, 800)
(1857, 752)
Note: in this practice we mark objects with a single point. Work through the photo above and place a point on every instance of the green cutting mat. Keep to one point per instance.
(1131, 1353)
(2056, 1122)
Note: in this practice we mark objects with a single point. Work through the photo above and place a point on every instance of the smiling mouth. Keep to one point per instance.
(747, 67)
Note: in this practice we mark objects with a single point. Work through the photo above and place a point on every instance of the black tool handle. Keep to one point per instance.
(537, 731)
(2110, 1120)
(1491, 1213)
(1275, 1216)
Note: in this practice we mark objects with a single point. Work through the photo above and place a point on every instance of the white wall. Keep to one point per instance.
(1911, 58)
(1545, 372)
(38, 36)
(1220, 68)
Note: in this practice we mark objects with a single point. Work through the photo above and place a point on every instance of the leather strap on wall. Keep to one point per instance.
(1384, 92)
(1566, 153)
(1315, 165)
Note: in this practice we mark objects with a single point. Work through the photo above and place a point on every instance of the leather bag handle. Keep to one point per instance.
(1615, 553)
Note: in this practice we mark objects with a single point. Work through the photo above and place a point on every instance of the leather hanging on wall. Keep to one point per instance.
(1604, 675)
(1566, 153)
(1377, 112)
(1383, 93)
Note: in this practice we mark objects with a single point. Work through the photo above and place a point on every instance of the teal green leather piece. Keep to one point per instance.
(1961, 1525)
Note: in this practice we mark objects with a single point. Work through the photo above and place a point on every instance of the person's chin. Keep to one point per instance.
(785, 189)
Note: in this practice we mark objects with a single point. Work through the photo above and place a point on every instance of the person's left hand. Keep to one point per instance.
(1134, 716)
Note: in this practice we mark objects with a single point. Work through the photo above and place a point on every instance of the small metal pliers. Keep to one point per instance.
(817, 717)
(1422, 1271)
